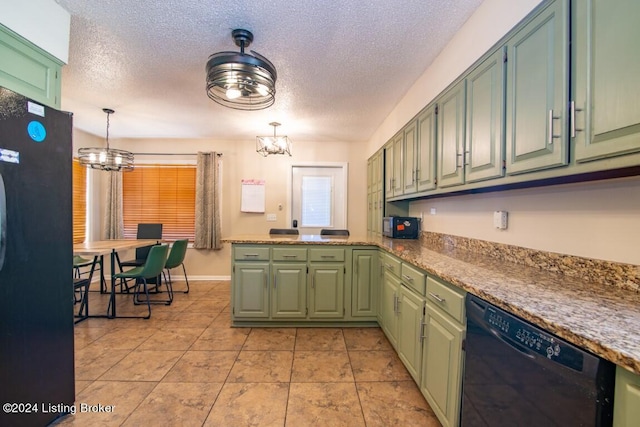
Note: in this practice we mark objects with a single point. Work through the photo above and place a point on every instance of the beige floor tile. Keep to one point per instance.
(93, 361)
(366, 339)
(207, 306)
(397, 403)
(202, 366)
(250, 404)
(175, 404)
(172, 339)
(320, 339)
(324, 404)
(192, 319)
(262, 367)
(122, 396)
(321, 366)
(271, 339)
(85, 336)
(221, 337)
(124, 338)
(81, 385)
(143, 365)
(377, 366)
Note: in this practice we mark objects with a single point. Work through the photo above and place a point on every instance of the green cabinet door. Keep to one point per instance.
(537, 92)
(388, 169)
(410, 150)
(426, 156)
(626, 410)
(28, 70)
(251, 289)
(484, 148)
(364, 283)
(326, 290)
(289, 294)
(441, 382)
(398, 164)
(450, 130)
(410, 318)
(606, 73)
(390, 289)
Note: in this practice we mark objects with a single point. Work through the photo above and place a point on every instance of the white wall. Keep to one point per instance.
(43, 22)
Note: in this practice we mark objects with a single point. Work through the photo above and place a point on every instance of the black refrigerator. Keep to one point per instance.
(36, 258)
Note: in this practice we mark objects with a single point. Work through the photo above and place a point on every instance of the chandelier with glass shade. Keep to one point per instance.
(266, 145)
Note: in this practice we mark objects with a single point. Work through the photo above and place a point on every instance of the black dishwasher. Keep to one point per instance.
(516, 374)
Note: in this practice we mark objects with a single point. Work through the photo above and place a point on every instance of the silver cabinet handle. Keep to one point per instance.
(266, 279)
(422, 325)
(250, 255)
(328, 256)
(436, 297)
(550, 134)
(389, 267)
(574, 129)
(395, 303)
(289, 256)
(407, 278)
(459, 156)
(466, 158)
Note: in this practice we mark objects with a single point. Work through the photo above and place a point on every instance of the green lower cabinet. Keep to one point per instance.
(289, 291)
(389, 306)
(626, 406)
(364, 283)
(441, 382)
(410, 318)
(326, 290)
(251, 289)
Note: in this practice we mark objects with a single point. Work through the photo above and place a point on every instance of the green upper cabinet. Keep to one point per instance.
(388, 169)
(450, 131)
(606, 72)
(426, 156)
(537, 92)
(398, 164)
(484, 148)
(28, 70)
(410, 151)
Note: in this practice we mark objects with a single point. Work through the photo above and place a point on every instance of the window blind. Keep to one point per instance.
(79, 195)
(160, 194)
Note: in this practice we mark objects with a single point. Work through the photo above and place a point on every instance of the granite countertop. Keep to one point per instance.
(600, 318)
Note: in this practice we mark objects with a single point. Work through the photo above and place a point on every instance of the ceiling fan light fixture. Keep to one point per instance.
(240, 80)
(266, 145)
(106, 159)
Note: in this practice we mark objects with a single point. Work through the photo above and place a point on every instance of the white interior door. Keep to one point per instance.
(318, 198)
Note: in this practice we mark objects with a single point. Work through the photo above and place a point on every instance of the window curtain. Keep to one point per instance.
(114, 222)
(207, 202)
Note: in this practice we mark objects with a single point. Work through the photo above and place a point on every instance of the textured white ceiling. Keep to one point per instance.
(342, 64)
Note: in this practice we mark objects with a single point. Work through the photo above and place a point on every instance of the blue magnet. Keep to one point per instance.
(36, 131)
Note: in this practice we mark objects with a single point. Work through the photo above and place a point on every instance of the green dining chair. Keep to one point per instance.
(151, 269)
(176, 259)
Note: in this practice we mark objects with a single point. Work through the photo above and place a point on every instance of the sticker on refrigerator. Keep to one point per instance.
(9, 156)
(36, 109)
(36, 131)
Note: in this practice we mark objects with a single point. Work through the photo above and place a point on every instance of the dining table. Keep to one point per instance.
(98, 249)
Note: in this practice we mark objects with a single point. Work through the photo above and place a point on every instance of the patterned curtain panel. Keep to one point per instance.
(114, 222)
(207, 202)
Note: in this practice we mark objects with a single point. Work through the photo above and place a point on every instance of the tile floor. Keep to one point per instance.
(187, 366)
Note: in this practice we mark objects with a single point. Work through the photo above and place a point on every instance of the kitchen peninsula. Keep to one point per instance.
(603, 318)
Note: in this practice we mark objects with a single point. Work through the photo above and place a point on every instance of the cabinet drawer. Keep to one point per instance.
(392, 264)
(251, 253)
(413, 278)
(447, 297)
(289, 254)
(333, 254)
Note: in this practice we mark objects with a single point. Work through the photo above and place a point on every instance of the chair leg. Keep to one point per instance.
(185, 278)
(136, 293)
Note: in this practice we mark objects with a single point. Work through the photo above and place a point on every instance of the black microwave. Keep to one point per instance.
(401, 227)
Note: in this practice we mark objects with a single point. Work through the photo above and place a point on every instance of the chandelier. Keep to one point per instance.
(106, 159)
(240, 80)
(266, 145)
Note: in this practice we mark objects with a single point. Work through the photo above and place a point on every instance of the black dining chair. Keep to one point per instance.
(333, 232)
(81, 287)
(289, 231)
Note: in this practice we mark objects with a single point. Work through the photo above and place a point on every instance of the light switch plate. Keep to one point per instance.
(271, 217)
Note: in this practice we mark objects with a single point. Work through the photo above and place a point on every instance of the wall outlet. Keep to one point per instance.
(432, 211)
(272, 217)
(500, 220)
